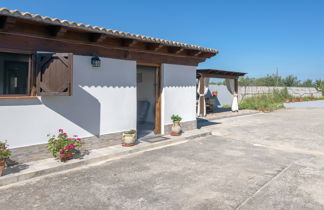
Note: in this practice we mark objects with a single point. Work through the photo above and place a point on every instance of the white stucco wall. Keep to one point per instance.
(179, 92)
(103, 101)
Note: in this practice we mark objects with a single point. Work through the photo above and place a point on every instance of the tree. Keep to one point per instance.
(290, 81)
(308, 83)
(319, 85)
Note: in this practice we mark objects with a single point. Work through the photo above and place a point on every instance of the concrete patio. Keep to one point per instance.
(262, 161)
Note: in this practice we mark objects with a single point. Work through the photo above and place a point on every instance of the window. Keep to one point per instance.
(51, 77)
(14, 74)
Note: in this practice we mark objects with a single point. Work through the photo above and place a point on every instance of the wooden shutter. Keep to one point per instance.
(54, 74)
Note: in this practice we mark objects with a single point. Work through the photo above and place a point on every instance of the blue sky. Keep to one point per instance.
(252, 36)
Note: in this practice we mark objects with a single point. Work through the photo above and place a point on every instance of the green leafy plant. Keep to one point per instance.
(269, 102)
(176, 118)
(226, 106)
(4, 151)
(61, 144)
(130, 132)
(3, 144)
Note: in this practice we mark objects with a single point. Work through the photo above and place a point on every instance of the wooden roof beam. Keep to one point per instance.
(97, 37)
(194, 53)
(223, 76)
(154, 46)
(57, 31)
(207, 54)
(7, 23)
(175, 50)
(129, 42)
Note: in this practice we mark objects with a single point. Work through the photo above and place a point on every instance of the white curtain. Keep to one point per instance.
(204, 94)
(198, 105)
(231, 88)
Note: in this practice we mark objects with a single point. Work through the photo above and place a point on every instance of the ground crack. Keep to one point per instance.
(263, 186)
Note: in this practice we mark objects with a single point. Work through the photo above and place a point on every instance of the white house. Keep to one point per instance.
(89, 81)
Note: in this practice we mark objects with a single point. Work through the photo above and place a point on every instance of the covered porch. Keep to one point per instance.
(206, 109)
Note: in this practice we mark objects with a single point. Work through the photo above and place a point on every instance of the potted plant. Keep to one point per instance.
(129, 138)
(3, 145)
(4, 155)
(293, 100)
(176, 129)
(62, 147)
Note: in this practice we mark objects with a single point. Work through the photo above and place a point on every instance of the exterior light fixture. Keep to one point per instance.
(95, 61)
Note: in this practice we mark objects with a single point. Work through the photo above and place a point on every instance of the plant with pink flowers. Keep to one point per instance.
(62, 146)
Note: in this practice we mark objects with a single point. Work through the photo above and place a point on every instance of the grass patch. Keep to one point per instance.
(226, 106)
(269, 102)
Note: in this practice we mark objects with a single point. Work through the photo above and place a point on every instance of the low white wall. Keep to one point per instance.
(103, 101)
(225, 97)
(179, 92)
(295, 91)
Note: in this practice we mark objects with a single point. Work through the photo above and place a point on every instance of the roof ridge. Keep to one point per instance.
(57, 21)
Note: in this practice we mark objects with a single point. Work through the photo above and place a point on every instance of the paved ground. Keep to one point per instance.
(264, 161)
(308, 104)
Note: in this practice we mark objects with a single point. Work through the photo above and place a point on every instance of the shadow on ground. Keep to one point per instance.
(203, 123)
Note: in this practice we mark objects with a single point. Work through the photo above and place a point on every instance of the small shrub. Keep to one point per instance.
(4, 151)
(226, 106)
(176, 118)
(61, 144)
(3, 144)
(269, 102)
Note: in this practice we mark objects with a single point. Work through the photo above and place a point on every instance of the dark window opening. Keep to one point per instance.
(14, 74)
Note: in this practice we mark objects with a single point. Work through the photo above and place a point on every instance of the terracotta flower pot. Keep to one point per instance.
(128, 140)
(301, 100)
(67, 156)
(2, 166)
(214, 93)
(287, 101)
(293, 100)
(176, 129)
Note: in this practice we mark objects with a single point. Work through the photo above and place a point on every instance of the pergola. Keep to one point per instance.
(203, 74)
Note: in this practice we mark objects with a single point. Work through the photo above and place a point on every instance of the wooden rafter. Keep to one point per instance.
(154, 46)
(7, 23)
(194, 52)
(57, 31)
(97, 37)
(129, 42)
(175, 50)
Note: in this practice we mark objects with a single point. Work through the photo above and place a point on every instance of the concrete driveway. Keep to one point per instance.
(306, 104)
(264, 161)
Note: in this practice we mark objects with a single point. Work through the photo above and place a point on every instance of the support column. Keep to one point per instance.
(236, 85)
(201, 95)
(235, 99)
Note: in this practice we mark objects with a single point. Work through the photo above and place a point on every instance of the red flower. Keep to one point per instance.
(62, 151)
(78, 139)
(65, 134)
(61, 130)
(75, 135)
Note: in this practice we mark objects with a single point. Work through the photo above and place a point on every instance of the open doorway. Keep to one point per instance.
(148, 101)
